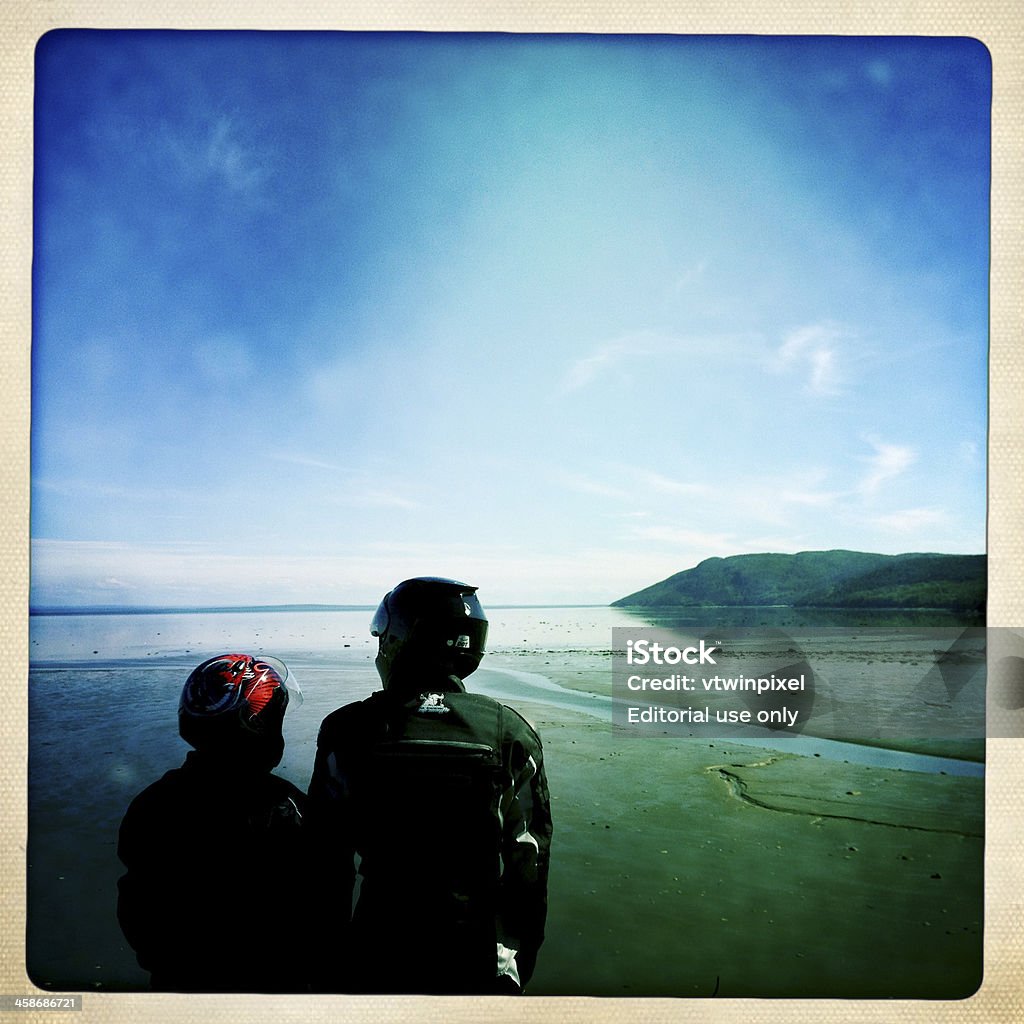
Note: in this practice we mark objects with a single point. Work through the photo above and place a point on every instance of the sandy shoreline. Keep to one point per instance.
(588, 671)
(679, 867)
(683, 866)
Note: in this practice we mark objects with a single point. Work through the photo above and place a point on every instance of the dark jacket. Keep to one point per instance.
(443, 798)
(212, 899)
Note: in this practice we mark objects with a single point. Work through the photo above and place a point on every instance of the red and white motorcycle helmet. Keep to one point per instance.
(237, 700)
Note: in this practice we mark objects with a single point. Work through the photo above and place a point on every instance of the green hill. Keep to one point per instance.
(824, 579)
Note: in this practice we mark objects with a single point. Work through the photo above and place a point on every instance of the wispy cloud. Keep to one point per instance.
(604, 358)
(689, 276)
(298, 459)
(360, 489)
(814, 350)
(633, 484)
(666, 485)
(226, 157)
(642, 346)
(218, 151)
(911, 520)
(88, 489)
(888, 462)
(697, 540)
(696, 545)
(371, 497)
(811, 499)
(587, 485)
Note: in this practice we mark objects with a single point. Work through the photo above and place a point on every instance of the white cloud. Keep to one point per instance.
(229, 160)
(813, 499)
(689, 276)
(298, 459)
(910, 520)
(666, 485)
(888, 462)
(359, 491)
(586, 485)
(112, 583)
(605, 357)
(371, 497)
(644, 345)
(708, 543)
(814, 350)
(823, 372)
(699, 544)
(636, 484)
(218, 151)
(87, 489)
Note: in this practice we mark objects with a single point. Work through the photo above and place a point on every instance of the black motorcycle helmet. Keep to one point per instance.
(233, 705)
(428, 626)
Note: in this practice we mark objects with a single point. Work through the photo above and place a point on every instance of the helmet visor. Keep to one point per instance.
(287, 676)
(381, 619)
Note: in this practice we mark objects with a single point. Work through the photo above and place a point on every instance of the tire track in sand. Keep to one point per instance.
(738, 789)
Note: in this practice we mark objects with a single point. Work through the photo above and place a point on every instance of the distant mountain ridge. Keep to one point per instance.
(824, 579)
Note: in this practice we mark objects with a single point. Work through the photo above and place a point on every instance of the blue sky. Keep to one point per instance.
(557, 315)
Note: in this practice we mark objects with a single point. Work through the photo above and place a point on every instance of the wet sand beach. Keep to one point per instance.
(690, 868)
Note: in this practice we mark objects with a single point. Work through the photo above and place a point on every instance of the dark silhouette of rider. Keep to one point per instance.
(212, 898)
(442, 796)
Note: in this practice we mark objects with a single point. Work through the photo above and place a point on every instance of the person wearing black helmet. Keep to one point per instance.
(209, 900)
(442, 795)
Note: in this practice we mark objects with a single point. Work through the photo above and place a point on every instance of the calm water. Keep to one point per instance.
(127, 669)
(316, 635)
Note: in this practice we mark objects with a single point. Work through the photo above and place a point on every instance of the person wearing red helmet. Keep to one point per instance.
(443, 797)
(206, 846)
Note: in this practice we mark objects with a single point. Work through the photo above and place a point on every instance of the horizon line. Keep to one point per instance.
(81, 609)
